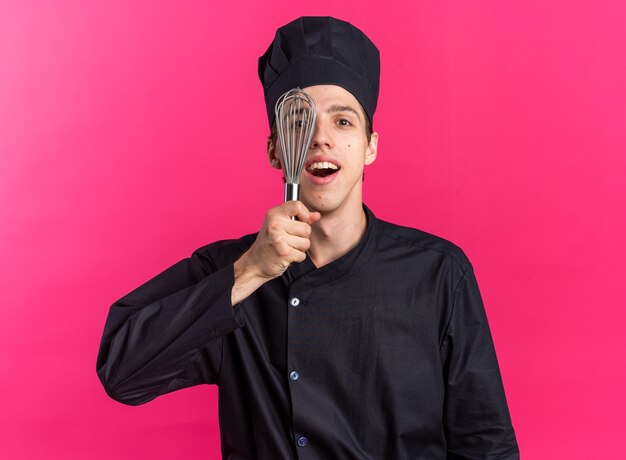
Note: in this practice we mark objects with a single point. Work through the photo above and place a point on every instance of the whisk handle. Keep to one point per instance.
(292, 192)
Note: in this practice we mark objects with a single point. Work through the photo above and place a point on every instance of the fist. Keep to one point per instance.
(281, 240)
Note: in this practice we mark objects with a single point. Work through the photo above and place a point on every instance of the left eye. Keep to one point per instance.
(344, 122)
(298, 124)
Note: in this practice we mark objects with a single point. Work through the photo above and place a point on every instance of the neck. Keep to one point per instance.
(336, 234)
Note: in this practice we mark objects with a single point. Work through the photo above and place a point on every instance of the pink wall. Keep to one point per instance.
(132, 133)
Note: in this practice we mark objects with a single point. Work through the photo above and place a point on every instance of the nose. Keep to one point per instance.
(321, 135)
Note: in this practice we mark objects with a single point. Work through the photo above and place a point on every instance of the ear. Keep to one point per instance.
(372, 149)
(272, 155)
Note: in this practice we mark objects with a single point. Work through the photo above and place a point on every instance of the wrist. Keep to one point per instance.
(247, 278)
(244, 268)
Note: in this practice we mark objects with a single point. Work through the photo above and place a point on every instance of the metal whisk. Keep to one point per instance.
(295, 122)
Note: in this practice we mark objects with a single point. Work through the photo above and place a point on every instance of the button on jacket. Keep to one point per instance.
(384, 353)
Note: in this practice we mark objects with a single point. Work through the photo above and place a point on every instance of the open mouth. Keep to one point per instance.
(322, 169)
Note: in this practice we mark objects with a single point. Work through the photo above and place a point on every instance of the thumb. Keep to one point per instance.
(314, 217)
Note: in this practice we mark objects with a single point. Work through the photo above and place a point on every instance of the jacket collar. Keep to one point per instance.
(348, 264)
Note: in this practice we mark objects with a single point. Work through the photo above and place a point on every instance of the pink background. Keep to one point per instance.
(132, 133)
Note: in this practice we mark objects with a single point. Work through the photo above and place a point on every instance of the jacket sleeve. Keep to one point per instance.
(476, 417)
(167, 334)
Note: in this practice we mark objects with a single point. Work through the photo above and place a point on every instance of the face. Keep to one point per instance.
(332, 179)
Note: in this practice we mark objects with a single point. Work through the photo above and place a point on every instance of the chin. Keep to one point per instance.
(319, 205)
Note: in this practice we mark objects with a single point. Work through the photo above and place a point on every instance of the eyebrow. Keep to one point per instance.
(343, 108)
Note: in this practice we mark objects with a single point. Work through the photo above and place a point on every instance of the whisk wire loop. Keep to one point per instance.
(295, 122)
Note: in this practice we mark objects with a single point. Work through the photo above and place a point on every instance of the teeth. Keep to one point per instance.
(322, 165)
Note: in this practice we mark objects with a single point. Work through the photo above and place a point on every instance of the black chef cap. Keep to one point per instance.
(316, 51)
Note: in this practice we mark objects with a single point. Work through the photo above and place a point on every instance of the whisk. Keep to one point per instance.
(295, 122)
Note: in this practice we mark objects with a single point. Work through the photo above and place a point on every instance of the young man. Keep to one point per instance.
(333, 336)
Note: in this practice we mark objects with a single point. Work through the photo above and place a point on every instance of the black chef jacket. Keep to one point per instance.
(384, 353)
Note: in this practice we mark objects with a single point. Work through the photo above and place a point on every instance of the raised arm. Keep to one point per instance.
(166, 334)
